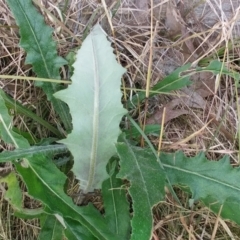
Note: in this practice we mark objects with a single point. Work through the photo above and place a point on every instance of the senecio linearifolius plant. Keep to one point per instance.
(90, 109)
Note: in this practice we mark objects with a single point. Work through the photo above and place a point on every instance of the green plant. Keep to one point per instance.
(103, 158)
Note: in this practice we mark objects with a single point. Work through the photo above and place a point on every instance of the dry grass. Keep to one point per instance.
(152, 38)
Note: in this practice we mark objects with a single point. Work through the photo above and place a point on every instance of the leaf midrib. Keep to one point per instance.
(94, 146)
(201, 176)
(139, 170)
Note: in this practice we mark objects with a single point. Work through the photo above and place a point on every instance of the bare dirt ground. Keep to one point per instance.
(182, 31)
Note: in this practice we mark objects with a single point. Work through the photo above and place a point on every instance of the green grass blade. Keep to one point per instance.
(6, 132)
(18, 108)
(36, 39)
(60, 107)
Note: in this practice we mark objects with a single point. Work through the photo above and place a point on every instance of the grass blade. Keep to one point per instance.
(18, 108)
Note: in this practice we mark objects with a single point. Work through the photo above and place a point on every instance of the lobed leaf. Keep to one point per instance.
(176, 81)
(217, 67)
(45, 182)
(94, 99)
(36, 39)
(116, 206)
(14, 196)
(173, 81)
(216, 183)
(147, 180)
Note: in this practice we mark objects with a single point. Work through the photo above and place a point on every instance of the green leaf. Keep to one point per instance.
(18, 108)
(94, 99)
(115, 203)
(173, 81)
(153, 129)
(7, 135)
(51, 228)
(20, 153)
(217, 67)
(74, 231)
(27, 135)
(45, 182)
(147, 179)
(155, 154)
(36, 39)
(216, 183)
(14, 196)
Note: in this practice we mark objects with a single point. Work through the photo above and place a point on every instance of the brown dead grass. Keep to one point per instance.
(150, 44)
